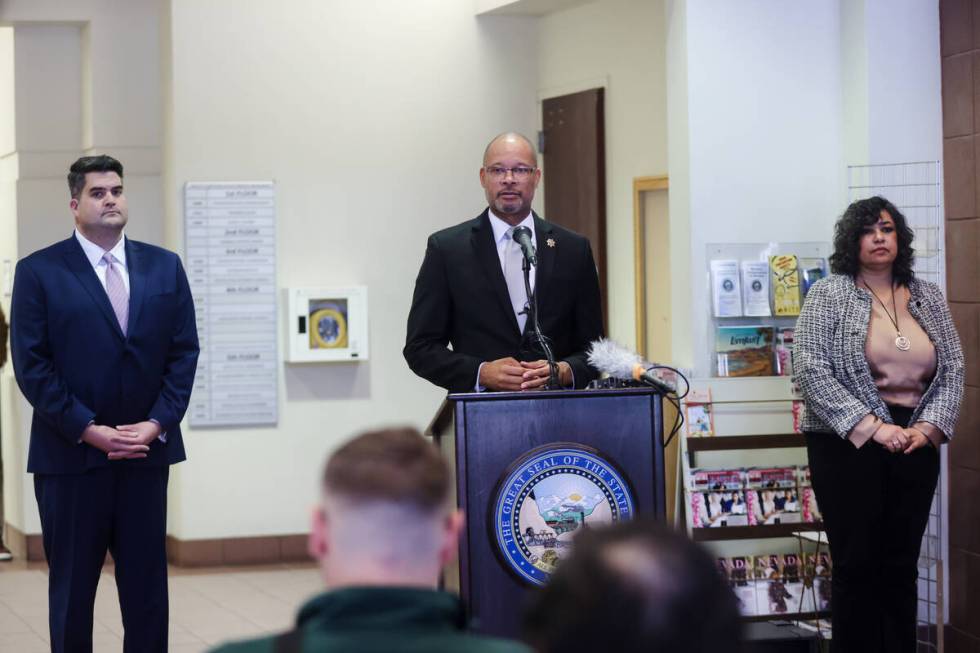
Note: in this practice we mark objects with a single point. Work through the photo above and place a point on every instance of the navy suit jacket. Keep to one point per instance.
(75, 366)
(461, 299)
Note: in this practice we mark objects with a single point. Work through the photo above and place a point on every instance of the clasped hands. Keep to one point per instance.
(511, 374)
(123, 442)
(896, 439)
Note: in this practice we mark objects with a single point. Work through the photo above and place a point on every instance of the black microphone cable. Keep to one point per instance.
(674, 400)
(531, 308)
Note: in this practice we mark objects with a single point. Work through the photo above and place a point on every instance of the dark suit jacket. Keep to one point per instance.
(461, 299)
(74, 365)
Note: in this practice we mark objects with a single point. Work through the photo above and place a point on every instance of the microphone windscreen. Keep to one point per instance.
(613, 359)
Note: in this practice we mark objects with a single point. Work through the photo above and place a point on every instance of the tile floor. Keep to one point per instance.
(207, 606)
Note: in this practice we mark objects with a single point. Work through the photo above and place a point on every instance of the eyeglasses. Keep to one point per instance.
(521, 173)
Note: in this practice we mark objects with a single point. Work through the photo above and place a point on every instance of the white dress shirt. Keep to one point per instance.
(94, 254)
(499, 237)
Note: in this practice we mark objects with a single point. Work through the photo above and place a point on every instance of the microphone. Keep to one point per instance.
(615, 360)
(523, 237)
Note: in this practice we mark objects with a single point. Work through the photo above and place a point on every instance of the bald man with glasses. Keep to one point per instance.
(470, 293)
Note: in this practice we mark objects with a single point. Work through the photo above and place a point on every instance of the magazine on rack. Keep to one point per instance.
(808, 500)
(745, 350)
(784, 352)
(812, 270)
(718, 508)
(772, 495)
(785, 275)
(755, 288)
(743, 584)
(797, 416)
(726, 291)
(699, 419)
(818, 571)
(779, 586)
(716, 498)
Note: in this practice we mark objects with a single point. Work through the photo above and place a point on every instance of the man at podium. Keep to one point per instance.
(471, 294)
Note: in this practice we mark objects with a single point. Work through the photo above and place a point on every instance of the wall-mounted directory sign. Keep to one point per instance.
(231, 266)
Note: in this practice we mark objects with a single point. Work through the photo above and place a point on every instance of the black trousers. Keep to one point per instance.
(875, 507)
(120, 508)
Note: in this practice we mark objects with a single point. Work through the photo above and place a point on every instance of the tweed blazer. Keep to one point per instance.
(830, 367)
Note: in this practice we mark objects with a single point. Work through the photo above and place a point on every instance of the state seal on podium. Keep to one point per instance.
(546, 497)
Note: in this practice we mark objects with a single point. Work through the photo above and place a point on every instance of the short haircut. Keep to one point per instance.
(633, 587)
(392, 465)
(850, 228)
(516, 136)
(87, 164)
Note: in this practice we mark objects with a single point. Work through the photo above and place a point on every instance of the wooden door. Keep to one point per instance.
(574, 156)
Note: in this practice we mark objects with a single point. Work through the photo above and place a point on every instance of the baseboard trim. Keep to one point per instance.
(264, 550)
(23, 546)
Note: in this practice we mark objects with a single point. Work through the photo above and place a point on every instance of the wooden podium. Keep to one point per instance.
(486, 433)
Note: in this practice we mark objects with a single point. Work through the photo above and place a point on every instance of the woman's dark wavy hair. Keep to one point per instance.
(850, 227)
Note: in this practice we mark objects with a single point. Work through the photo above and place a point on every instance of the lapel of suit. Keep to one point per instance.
(137, 281)
(486, 253)
(544, 234)
(77, 262)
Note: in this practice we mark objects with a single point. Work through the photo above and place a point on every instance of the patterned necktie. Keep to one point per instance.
(514, 274)
(116, 289)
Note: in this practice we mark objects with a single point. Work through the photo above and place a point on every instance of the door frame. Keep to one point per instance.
(642, 185)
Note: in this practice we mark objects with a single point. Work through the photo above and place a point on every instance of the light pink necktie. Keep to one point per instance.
(116, 289)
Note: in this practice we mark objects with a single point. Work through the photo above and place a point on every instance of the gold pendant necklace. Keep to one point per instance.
(902, 343)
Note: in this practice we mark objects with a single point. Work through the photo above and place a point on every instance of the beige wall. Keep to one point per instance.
(7, 123)
(8, 165)
(679, 171)
(618, 44)
(371, 118)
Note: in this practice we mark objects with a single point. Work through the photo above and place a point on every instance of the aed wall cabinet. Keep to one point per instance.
(326, 324)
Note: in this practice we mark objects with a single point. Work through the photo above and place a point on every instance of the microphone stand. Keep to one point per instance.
(532, 316)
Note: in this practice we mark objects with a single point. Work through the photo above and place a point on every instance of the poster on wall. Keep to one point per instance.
(230, 236)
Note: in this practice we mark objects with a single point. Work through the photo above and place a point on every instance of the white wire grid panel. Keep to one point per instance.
(916, 190)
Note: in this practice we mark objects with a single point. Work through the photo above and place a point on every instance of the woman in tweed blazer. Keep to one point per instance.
(880, 366)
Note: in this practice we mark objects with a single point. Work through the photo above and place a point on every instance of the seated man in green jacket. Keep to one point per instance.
(382, 532)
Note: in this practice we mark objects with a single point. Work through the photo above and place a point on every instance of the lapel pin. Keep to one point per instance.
(550, 242)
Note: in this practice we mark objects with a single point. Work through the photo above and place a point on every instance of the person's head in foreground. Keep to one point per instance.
(634, 586)
(382, 530)
(384, 516)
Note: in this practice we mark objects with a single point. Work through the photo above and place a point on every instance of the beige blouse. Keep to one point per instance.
(902, 377)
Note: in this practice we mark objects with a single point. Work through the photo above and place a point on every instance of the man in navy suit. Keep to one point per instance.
(470, 290)
(104, 346)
